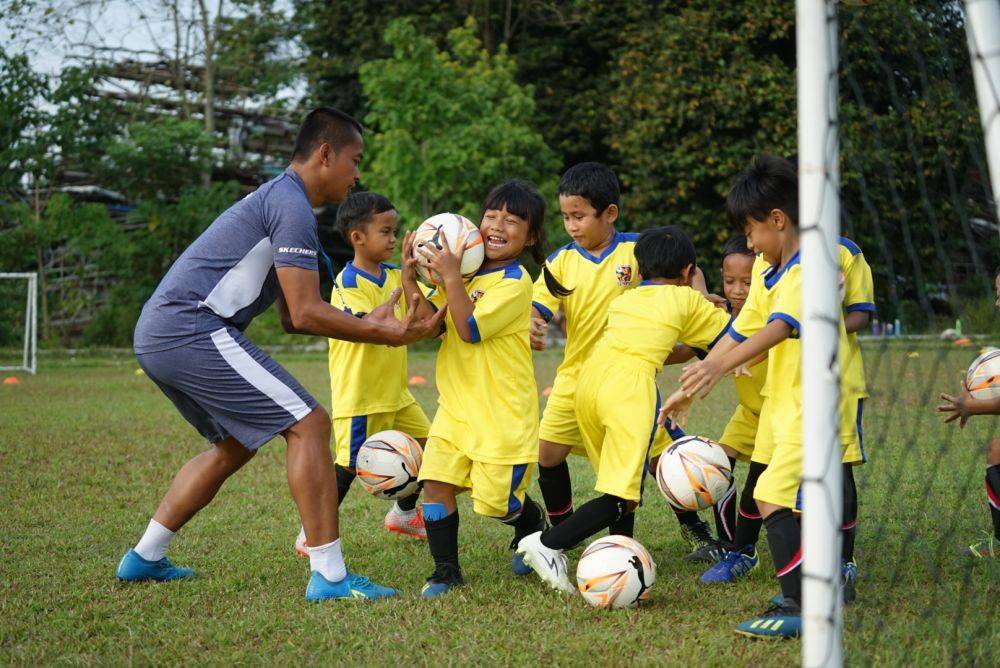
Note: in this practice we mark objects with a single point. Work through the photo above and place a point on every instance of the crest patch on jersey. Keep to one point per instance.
(624, 274)
(476, 295)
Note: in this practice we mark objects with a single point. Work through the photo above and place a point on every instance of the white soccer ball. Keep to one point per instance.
(460, 233)
(983, 377)
(615, 572)
(388, 464)
(693, 473)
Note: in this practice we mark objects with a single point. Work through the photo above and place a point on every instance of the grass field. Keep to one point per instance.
(87, 447)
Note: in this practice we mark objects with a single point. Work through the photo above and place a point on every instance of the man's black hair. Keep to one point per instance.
(663, 252)
(736, 245)
(592, 181)
(325, 124)
(768, 183)
(357, 211)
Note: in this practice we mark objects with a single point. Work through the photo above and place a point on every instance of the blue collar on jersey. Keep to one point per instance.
(597, 259)
(773, 274)
(509, 267)
(377, 280)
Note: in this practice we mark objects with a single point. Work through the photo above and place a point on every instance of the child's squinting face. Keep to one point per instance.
(505, 234)
(736, 272)
(763, 237)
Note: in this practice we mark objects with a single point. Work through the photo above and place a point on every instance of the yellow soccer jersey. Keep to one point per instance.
(595, 281)
(784, 382)
(366, 378)
(646, 323)
(859, 295)
(489, 384)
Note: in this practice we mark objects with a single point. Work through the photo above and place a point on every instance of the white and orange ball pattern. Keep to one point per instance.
(694, 473)
(460, 234)
(615, 572)
(388, 464)
(983, 377)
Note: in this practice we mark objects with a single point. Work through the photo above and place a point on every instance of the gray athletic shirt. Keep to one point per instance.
(227, 276)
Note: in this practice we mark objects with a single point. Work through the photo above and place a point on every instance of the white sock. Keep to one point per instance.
(328, 561)
(154, 543)
(302, 536)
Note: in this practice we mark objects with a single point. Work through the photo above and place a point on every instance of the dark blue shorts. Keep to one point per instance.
(226, 386)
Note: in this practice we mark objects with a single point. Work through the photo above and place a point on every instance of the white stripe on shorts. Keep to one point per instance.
(251, 371)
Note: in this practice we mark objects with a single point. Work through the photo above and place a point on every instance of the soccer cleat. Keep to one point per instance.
(406, 523)
(133, 568)
(849, 573)
(445, 578)
(548, 563)
(731, 567)
(699, 536)
(984, 549)
(351, 587)
(777, 622)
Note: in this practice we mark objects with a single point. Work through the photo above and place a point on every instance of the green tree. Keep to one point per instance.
(448, 125)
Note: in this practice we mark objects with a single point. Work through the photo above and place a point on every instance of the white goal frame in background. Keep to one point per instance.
(29, 355)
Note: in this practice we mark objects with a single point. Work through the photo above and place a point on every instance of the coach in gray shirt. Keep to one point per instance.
(189, 340)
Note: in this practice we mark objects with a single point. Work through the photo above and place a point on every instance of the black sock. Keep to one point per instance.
(344, 479)
(409, 503)
(623, 526)
(785, 540)
(528, 521)
(592, 516)
(748, 523)
(442, 539)
(557, 491)
(686, 518)
(849, 527)
(993, 496)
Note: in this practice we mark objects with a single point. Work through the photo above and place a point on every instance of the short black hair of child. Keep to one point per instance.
(736, 245)
(324, 124)
(663, 252)
(357, 210)
(594, 182)
(768, 183)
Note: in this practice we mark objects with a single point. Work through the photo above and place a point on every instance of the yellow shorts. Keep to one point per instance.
(616, 408)
(851, 436)
(559, 422)
(763, 443)
(741, 432)
(350, 432)
(497, 489)
(779, 483)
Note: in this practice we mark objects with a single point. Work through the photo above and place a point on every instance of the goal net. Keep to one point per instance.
(18, 322)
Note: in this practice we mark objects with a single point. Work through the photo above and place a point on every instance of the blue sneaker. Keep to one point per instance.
(133, 568)
(518, 566)
(777, 623)
(445, 578)
(352, 586)
(731, 567)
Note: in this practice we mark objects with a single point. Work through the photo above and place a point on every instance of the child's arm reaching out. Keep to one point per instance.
(965, 406)
(699, 378)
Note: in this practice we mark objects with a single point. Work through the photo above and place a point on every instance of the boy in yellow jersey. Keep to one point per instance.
(617, 402)
(598, 266)
(368, 382)
(764, 201)
(485, 432)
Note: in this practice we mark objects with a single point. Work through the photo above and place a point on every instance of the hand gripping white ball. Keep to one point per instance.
(460, 234)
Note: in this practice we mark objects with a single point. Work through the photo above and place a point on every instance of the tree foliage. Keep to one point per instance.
(448, 125)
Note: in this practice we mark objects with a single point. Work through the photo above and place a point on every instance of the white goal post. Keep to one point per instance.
(29, 349)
